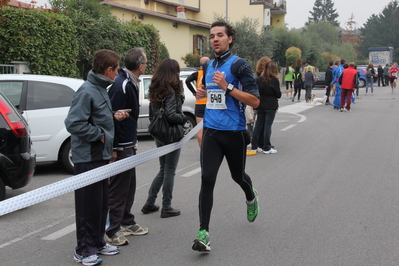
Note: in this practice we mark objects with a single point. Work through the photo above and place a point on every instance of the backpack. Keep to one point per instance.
(368, 75)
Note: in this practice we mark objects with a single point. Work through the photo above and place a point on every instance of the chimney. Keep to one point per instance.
(180, 12)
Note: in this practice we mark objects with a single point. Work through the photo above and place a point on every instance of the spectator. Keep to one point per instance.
(122, 187)
(370, 73)
(329, 78)
(269, 90)
(90, 122)
(386, 74)
(348, 82)
(380, 76)
(165, 87)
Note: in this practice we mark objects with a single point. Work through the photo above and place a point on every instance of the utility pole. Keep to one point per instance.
(227, 10)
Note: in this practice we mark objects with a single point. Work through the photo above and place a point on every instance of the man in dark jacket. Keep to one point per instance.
(124, 94)
(90, 122)
(348, 81)
(329, 78)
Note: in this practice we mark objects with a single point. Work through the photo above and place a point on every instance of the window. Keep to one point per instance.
(42, 95)
(146, 83)
(199, 44)
(12, 90)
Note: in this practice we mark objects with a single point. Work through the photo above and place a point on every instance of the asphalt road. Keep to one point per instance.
(328, 197)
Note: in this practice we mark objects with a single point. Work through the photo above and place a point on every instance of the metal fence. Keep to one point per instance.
(8, 69)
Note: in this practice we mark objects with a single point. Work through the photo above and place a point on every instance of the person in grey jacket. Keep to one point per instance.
(90, 122)
(166, 88)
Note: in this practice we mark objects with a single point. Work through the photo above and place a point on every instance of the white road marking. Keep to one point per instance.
(60, 233)
(193, 172)
(286, 128)
(34, 232)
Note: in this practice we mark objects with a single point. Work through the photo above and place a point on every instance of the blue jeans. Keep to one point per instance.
(265, 120)
(165, 178)
(369, 82)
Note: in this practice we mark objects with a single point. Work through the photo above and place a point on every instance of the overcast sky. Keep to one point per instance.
(298, 11)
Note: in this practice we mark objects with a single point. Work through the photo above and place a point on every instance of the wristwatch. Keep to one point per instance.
(229, 88)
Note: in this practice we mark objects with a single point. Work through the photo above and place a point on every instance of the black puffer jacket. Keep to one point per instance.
(269, 94)
(173, 109)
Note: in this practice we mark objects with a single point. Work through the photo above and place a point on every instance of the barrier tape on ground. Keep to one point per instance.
(78, 181)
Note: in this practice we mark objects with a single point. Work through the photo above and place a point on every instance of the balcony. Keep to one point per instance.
(276, 7)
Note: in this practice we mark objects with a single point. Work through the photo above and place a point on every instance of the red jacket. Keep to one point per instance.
(348, 79)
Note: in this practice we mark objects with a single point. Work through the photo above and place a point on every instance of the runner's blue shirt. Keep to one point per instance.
(233, 116)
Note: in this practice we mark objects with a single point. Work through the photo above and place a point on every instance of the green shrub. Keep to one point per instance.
(43, 39)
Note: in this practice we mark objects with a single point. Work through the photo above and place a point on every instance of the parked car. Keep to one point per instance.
(17, 162)
(144, 121)
(320, 81)
(44, 102)
(362, 76)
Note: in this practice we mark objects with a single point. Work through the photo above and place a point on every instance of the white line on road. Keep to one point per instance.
(286, 128)
(193, 172)
(60, 233)
(34, 232)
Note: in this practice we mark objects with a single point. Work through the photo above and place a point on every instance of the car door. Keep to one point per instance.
(47, 105)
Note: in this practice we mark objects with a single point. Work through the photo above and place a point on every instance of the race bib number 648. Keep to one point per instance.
(216, 99)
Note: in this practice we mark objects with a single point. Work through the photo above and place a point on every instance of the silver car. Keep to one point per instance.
(44, 102)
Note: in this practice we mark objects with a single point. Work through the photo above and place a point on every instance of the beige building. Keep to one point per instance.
(184, 24)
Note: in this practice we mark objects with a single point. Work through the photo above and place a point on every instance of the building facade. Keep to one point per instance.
(184, 24)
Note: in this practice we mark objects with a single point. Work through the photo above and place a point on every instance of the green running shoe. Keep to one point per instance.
(202, 243)
(253, 209)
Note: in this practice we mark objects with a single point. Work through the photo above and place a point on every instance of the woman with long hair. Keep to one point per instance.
(165, 90)
(269, 90)
(370, 73)
(260, 66)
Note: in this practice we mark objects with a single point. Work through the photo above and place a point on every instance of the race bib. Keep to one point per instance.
(216, 99)
(394, 74)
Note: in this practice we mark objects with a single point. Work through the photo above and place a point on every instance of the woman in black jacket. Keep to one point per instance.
(166, 88)
(269, 90)
(380, 76)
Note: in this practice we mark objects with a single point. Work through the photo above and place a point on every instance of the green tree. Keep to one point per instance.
(247, 36)
(137, 34)
(96, 28)
(293, 54)
(380, 31)
(285, 39)
(323, 10)
(45, 40)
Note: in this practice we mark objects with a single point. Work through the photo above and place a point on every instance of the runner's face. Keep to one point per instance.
(219, 40)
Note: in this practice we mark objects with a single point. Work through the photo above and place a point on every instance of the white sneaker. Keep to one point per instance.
(270, 151)
(259, 150)
(109, 249)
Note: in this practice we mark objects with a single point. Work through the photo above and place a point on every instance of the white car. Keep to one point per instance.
(44, 102)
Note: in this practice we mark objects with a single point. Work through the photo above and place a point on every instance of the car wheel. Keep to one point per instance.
(190, 124)
(362, 83)
(2, 190)
(66, 157)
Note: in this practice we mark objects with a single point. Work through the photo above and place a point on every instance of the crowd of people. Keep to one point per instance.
(103, 118)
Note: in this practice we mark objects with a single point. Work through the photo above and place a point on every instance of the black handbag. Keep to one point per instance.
(164, 131)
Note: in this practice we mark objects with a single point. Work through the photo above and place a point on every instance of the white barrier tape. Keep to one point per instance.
(87, 178)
